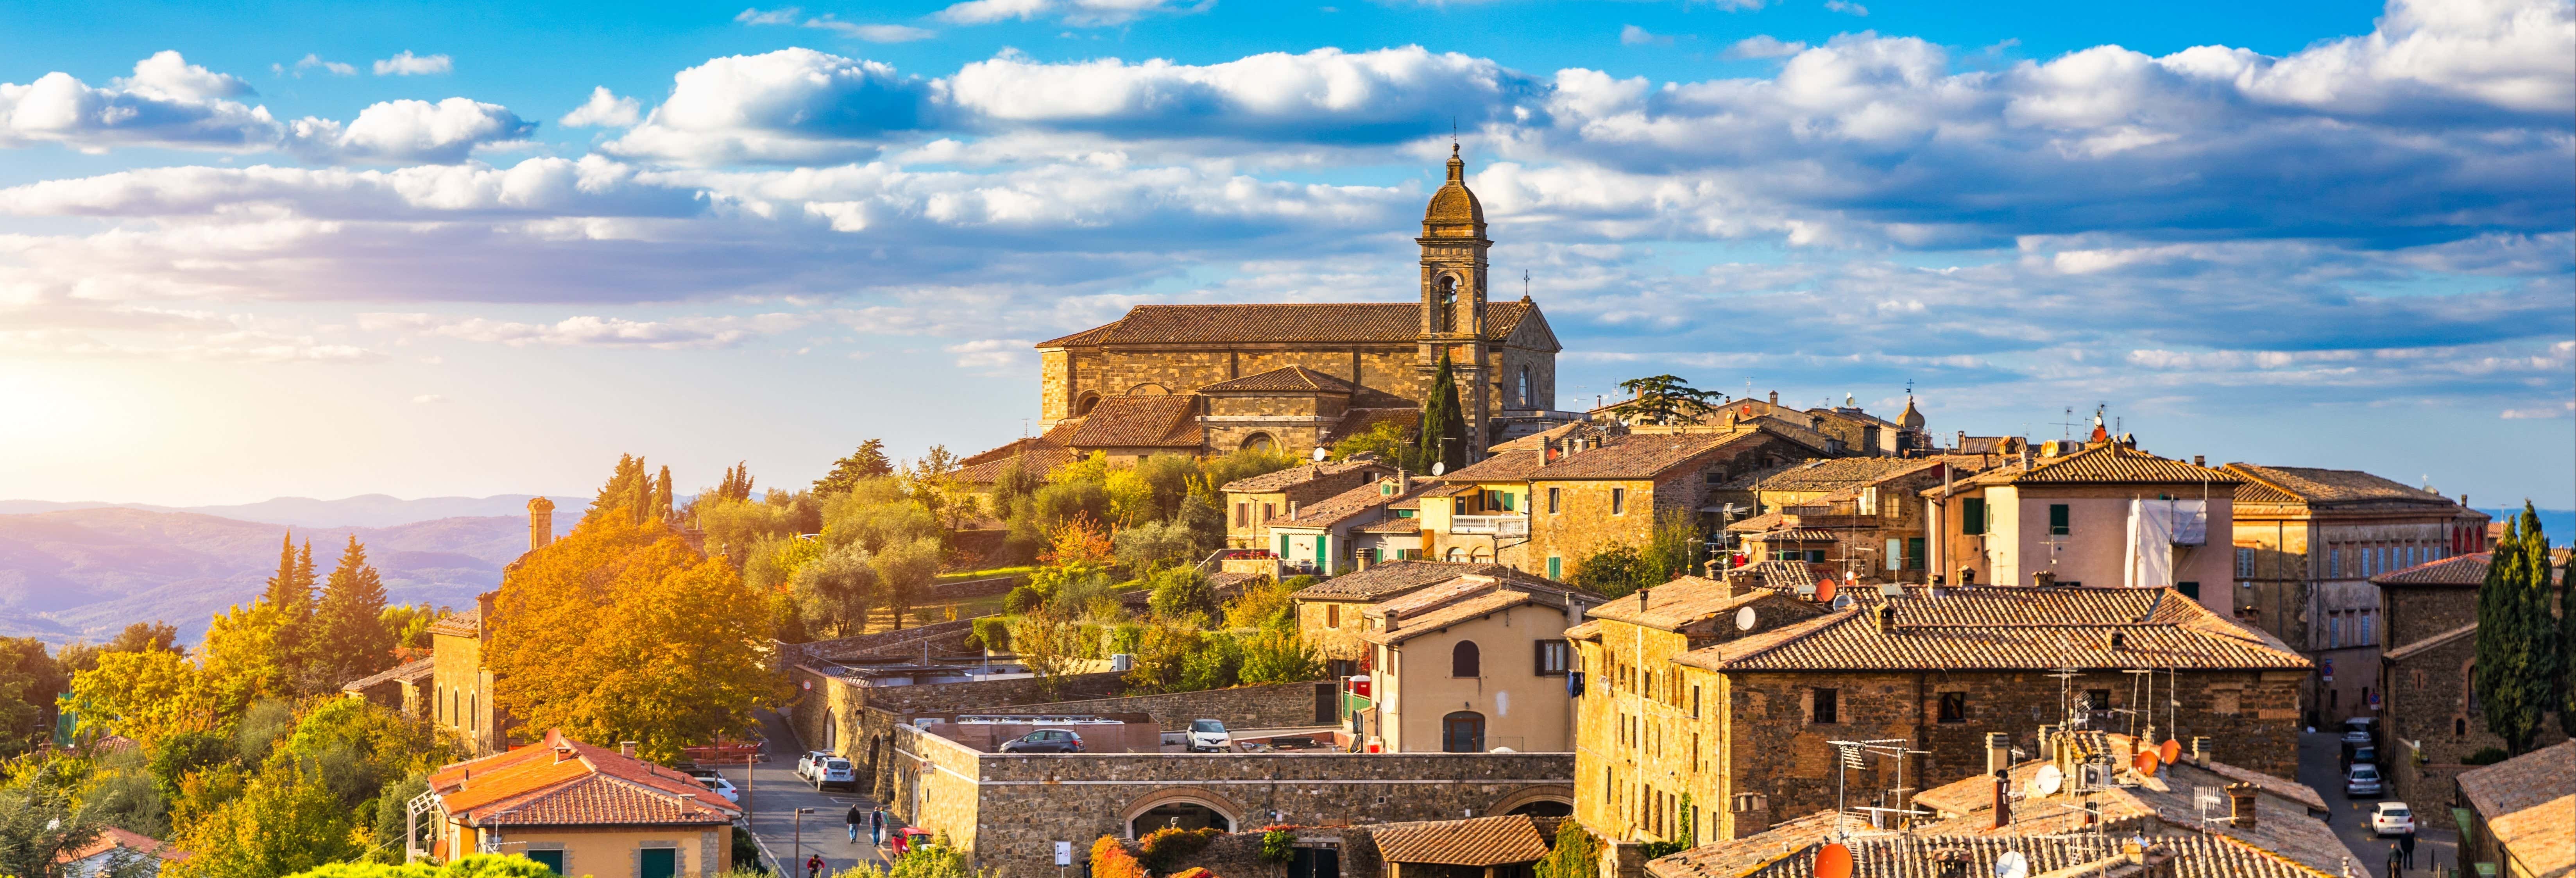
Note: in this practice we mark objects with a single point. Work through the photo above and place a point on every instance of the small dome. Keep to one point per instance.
(1454, 205)
(1911, 419)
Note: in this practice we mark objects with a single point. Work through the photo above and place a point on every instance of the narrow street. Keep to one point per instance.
(775, 793)
(2319, 753)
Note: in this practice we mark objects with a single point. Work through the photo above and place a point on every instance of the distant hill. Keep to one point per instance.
(85, 573)
(364, 510)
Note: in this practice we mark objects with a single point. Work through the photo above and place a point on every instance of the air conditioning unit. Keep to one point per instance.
(1122, 662)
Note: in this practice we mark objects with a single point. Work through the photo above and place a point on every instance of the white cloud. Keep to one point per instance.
(166, 103)
(404, 63)
(1763, 46)
(2539, 413)
(591, 330)
(603, 110)
(1081, 13)
(993, 355)
(410, 131)
(874, 33)
(1847, 7)
(335, 68)
(166, 75)
(1632, 35)
(1323, 96)
(792, 105)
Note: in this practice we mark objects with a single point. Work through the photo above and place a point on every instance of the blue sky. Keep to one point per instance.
(471, 248)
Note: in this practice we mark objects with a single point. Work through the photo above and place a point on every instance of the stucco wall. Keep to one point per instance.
(1522, 710)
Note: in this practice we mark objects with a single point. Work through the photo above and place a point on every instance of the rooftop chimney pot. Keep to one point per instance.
(2199, 460)
(626, 748)
(2240, 804)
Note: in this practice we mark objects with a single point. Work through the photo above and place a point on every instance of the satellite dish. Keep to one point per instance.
(2047, 781)
(1321, 452)
(2145, 763)
(2169, 751)
(1842, 602)
(1834, 860)
(1824, 591)
(1744, 619)
(2012, 865)
(1439, 466)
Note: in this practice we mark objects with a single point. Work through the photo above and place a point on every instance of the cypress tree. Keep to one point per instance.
(662, 495)
(282, 584)
(627, 487)
(2516, 647)
(2567, 647)
(350, 621)
(1444, 428)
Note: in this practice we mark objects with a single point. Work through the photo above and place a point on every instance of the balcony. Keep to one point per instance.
(1489, 525)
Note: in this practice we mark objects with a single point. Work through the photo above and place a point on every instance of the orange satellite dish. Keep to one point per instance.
(2170, 751)
(1824, 591)
(1834, 861)
(2145, 763)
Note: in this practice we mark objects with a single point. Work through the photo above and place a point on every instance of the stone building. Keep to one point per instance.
(2307, 543)
(1544, 509)
(1474, 664)
(1868, 523)
(1215, 378)
(1329, 612)
(1252, 503)
(1843, 429)
(460, 696)
(1727, 692)
(403, 687)
(2522, 815)
(2100, 514)
(579, 810)
(1329, 537)
(2431, 724)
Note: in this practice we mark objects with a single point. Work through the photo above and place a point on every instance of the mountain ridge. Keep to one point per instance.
(363, 510)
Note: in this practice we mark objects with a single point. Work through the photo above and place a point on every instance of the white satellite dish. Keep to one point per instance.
(1842, 602)
(1321, 452)
(1744, 619)
(2047, 781)
(1439, 466)
(2012, 865)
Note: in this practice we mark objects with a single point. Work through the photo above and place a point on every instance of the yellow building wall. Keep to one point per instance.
(1582, 523)
(1637, 746)
(1526, 712)
(610, 852)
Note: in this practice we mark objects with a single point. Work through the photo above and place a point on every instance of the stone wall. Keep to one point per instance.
(1275, 706)
(943, 636)
(1238, 854)
(1023, 804)
(829, 712)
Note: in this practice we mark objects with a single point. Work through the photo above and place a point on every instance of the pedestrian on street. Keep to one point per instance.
(876, 825)
(814, 866)
(854, 818)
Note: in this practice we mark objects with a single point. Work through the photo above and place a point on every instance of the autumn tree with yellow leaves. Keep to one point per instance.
(622, 632)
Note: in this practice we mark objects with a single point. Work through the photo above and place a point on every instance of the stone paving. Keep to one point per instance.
(2350, 818)
(775, 793)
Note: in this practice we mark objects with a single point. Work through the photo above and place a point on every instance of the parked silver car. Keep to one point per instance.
(2361, 780)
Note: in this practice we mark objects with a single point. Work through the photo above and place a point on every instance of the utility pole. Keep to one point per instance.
(798, 858)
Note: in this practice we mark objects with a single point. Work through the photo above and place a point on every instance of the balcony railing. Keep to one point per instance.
(1490, 525)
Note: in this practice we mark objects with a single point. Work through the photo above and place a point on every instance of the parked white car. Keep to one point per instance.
(1209, 735)
(722, 787)
(2392, 818)
(806, 764)
(834, 771)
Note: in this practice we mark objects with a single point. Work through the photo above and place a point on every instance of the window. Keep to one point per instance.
(1694, 715)
(1913, 553)
(2057, 519)
(1954, 707)
(1456, 554)
(1551, 501)
(1555, 568)
(1526, 399)
(2244, 563)
(1972, 516)
(1463, 660)
(657, 862)
(1618, 501)
(552, 860)
(2334, 630)
(1555, 658)
(2097, 699)
(1895, 557)
(1242, 514)
(2334, 561)
(1824, 710)
(2189, 589)
(1268, 510)
(1332, 615)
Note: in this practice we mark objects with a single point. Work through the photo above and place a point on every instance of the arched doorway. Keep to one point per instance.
(1260, 442)
(1084, 405)
(1181, 815)
(1545, 808)
(1462, 732)
(1456, 555)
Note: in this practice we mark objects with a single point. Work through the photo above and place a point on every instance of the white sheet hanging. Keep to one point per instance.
(2190, 522)
(2151, 535)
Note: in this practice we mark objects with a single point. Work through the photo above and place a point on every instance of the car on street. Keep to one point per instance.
(2392, 818)
(806, 764)
(834, 771)
(722, 787)
(2361, 730)
(1208, 735)
(2361, 780)
(1045, 741)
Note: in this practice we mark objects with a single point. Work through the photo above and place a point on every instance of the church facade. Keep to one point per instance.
(1210, 379)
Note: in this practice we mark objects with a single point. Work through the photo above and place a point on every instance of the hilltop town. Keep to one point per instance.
(1677, 634)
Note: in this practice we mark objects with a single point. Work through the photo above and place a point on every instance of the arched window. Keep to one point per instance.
(1464, 660)
(1447, 319)
(1149, 389)
(1456, 555)
(1462, 732)
(1260, 442)
(1084, 405)
(1527, 401)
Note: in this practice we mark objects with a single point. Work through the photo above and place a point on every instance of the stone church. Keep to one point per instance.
(1210, 379)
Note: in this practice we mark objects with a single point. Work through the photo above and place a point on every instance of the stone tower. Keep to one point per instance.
(1453, 298)
(541, 522)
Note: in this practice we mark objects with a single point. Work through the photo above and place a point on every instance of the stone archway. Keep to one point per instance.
(1260, 442)
(1149, 389)
(1182, 805)
(1541, 801)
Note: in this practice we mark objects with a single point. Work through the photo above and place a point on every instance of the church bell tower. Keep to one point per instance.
(1453, 299)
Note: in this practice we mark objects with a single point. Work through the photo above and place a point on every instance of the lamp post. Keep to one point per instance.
(799, 856)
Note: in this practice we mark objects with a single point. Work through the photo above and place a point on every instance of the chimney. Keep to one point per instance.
(2240, 804)
(2200, 751)
(1998, 752)
(1641, 599)
(1775, 398)
(1963, 442)
(1739, 581)
(2003, 799)
(2198, 460)
(1886, 617)
(626, 748)
(541, 522)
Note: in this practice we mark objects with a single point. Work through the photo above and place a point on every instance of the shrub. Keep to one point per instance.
(1575, 855)
(2485, 756)
(1110, 859)
(1277, 845)
(991, 633)
(1169, 845)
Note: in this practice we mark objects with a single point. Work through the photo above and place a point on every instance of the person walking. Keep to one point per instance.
(814, 866)
(876, 825)
(854, 818)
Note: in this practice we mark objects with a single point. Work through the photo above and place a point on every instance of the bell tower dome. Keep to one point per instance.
(1453, 300)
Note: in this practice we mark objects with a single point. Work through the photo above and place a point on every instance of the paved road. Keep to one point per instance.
(776, 792)
(2319, 755)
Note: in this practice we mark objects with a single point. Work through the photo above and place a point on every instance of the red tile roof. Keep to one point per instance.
(1139, 421)
(1484, 841)
(1281, 480)
(1674, 604)
(1217, 324)
(563, 782)
(2112, 463)
(2458, 570)
(2529, 803)
(1288, 379)
(2013, 628)
(1369, 498)
(1635, 456)
(2299, 484)
(1397, 578)
(112, 838)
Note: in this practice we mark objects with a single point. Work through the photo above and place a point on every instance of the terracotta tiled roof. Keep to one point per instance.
(1508, 466)
(1392, 525)
(1483, 841)
(462, 623)
(1796, 535)
(1397, 578)
(1297, 379)
(2299, 484)
(413, 671)
(1914, 856)
(2410, 650)
(2459, 570)
(1637, 456)
(1343, 322)
(2016, 628)
(1281, 480)
(112, 838)
(1757, 524)
(1472, 608)
(1139, 421)
(1673, 604)
(581, 785)
(1366, 499)
(2529, 803)
(1540, 439)
(2113, 463)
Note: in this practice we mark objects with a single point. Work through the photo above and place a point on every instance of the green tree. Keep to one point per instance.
(140, 636)
(2516, 645)
(1392, 441)
(1576, 854)
(1667, 399)
(1614, 570)
(1179, 593)
(287, 820)
(408, 624)
(30, 680)
(737, 483)
(1277, 655)
(868, 462)
(1444, 426)
(627, 488)
(834, 590)
(41, 819)
(349, 626)
(904, 573)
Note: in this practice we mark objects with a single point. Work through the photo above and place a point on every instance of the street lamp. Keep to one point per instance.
(797, 859)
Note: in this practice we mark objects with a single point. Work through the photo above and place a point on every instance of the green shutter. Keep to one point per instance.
(1913, 553)
(1972, 516)
(1555, 568)
(553, 860)
(2057, 519)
